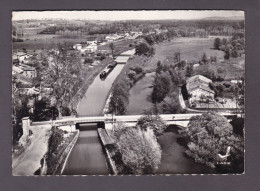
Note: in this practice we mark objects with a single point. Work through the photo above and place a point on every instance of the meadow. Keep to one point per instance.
(191, 49)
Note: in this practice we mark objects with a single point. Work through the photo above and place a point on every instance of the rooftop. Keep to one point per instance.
(197, 78)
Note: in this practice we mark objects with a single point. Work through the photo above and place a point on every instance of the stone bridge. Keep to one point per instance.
(70, 122)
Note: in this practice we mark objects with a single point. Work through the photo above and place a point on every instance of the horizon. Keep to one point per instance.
(124, 15)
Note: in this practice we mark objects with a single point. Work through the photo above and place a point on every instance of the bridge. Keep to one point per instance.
(176, 119)
(70, 123)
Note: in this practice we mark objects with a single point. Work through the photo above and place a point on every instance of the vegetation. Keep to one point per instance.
(153, 122)
(208, 137)
(121, 87)
(144, 49)
(54, 142)
(137, 150)
(166, 84)
(233, 47)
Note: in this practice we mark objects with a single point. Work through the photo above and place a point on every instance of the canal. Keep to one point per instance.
(87, 156)
(94, 100)
(174, 159)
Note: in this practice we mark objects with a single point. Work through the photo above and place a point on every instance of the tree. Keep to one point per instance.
(209, 135)
(217, 43)
(227, 54)
(60, 74)
(204, 58)
(153, 122)
(144, 49)
(139, 149)
(189, 70)
(112, 48)
(170, 104)
(177, 57)
(43, 111)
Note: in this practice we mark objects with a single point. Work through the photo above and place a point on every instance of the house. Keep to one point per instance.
(90, 48)
(16, 70)
(21, 56)
(198, 87)
(28, 71)
(77, 46)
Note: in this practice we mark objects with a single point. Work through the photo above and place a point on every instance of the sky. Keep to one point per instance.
(122, 15)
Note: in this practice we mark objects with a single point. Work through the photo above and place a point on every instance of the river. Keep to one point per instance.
(139, 95)
(174, 160)
(94, 100)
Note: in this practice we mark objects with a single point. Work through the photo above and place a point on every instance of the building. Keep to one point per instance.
(198, 87)
(90, 48)
(21, 56)
(28, 71)
(77, 46)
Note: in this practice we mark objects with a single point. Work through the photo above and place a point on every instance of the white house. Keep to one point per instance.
(21, 56)
(90, 48)
(77, 46)
(197, 86)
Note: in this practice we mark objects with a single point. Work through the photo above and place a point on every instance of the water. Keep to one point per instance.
(139, 99)
(94, 100)
(174, 160)
(87, 157)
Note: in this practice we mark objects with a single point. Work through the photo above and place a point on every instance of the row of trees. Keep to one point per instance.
(233, 48)
(120, 93)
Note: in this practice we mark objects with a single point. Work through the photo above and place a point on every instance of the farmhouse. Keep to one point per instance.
(198, 86)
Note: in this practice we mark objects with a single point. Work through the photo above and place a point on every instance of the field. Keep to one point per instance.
(191, 49)
(120, 45)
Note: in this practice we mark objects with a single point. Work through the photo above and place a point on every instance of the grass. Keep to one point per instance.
(120, 46)
(191, 49)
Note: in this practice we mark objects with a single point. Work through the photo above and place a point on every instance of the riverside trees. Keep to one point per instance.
(140, 153)
(209, 136)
